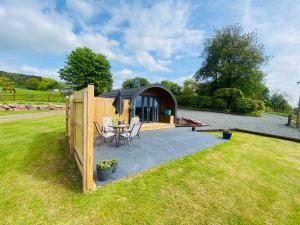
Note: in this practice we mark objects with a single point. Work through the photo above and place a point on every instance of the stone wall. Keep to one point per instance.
(292, 120)
(22, 107)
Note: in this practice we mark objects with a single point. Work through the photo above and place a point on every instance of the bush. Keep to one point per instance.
(230, 95)
(260, 105)
(204, 102)
(245, 105)
(219, 104)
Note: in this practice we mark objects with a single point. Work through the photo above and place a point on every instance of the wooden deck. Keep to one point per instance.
(156, 126)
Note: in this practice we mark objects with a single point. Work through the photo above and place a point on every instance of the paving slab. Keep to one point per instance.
(157, 147)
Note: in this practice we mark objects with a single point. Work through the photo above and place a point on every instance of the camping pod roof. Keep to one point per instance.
(132, 93)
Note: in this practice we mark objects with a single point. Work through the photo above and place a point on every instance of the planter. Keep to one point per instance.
(114, 166)
(104, 174)
(227, 136)
(167, 112)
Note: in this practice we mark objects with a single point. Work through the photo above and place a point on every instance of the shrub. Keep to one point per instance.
(230, 95)
(219, 104)
(260, 105)
(245, 105)
(204, 102)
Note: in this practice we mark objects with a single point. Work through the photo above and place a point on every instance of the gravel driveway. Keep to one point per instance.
(267, 123)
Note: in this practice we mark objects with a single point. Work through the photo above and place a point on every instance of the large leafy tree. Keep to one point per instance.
(135, 82)
(174, 87)
(189, 87)
(83, 67)
(233, 59)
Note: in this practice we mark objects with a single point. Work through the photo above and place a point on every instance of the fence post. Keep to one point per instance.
(89, 135)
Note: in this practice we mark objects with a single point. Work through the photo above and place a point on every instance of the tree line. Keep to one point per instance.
(231, 58)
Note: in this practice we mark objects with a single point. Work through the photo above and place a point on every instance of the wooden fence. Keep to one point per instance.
(104, 107)
(79, 121)
(8, 97)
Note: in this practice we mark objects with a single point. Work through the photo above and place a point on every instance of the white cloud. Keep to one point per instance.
(29, 70)
(155, 34)
(181, 80)
(84, 8)
(120, 76)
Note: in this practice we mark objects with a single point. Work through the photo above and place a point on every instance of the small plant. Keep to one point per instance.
(114, 161)
(131, 107)
(104, 164)
(227, 132)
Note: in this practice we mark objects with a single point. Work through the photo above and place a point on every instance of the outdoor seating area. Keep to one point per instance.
(118, 132)
(155, 147)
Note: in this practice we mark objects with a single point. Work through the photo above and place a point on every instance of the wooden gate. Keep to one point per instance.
(79, 121)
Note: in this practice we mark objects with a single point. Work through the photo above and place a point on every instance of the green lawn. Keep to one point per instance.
(6, 113)
(25, 96)
(248, 180)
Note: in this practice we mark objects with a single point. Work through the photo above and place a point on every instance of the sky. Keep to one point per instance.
(154, 39)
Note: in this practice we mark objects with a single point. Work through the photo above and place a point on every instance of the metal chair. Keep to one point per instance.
(134, 120)
(106, 123)
(103, 133)
(133, 133)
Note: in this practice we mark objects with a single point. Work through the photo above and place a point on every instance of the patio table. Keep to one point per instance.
(118, 129)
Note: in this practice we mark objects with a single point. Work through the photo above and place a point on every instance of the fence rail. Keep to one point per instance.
(31, 97)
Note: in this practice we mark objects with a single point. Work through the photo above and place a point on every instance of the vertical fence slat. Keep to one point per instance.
(80, 129)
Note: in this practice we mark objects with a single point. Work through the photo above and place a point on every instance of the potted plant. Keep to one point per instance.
(193, 127)
(104, 169)
(115, 163)
(227, 134)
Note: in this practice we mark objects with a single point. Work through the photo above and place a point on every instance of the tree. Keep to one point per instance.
(135, 82)
(4, 81)
(174, 87)
(33, 83)
(233, 59)
(189, 87)
(279, 103)
(83, 67)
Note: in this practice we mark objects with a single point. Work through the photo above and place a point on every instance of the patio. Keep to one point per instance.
(157, 146)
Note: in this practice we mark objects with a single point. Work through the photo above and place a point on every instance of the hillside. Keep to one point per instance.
(31, 81)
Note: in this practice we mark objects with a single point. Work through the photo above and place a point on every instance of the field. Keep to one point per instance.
(248, 180)
(7, 113)
(31, 96)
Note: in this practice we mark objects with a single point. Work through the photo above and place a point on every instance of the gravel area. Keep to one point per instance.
(267, 123)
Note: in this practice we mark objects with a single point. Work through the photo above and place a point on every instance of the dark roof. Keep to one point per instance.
(127, 93)
(132, 93)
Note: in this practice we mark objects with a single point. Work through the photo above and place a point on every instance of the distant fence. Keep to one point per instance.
(31, 97)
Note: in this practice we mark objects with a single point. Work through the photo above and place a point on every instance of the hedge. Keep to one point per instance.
(224, 99)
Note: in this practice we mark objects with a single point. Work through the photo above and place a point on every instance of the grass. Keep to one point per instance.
(6, 113)
(248, 180)
(278, 113)
(31, 96)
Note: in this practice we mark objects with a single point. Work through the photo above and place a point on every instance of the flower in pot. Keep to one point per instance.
(115, 163)
(227, 134)
(104, 169)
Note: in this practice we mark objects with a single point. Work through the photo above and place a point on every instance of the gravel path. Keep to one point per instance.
(267, 123)
(29, 115)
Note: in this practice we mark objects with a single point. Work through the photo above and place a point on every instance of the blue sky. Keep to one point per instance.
(155, 39)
